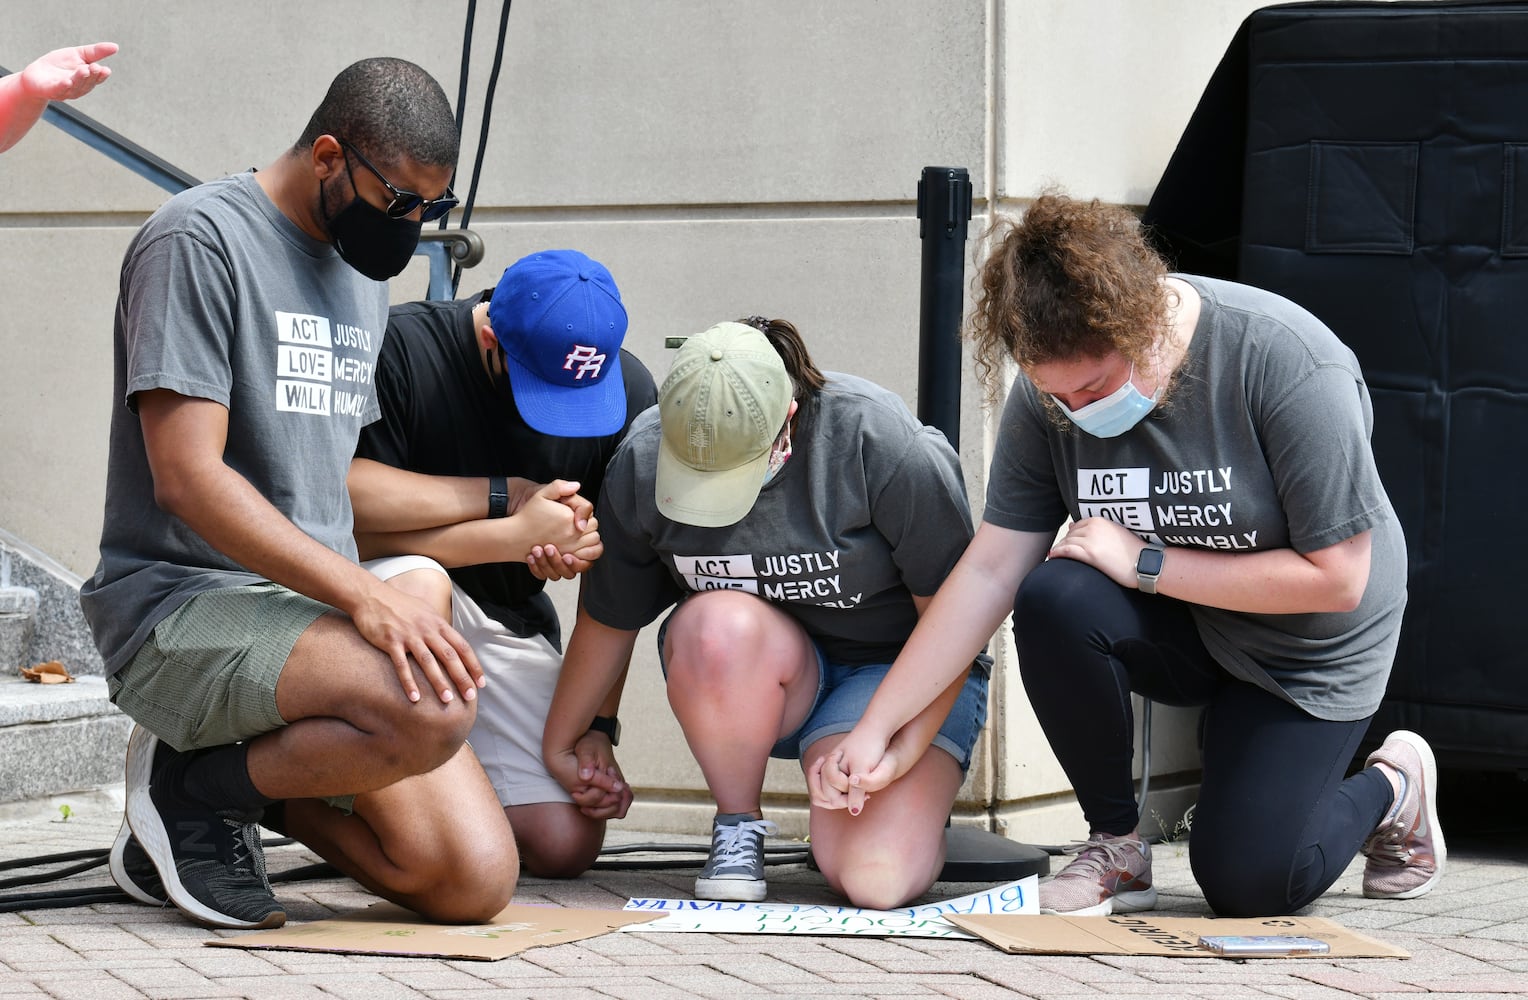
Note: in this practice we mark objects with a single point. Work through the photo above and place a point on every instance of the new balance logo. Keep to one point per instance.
(193, 838)
(588, 360)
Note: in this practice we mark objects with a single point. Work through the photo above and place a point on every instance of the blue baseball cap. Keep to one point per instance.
(559, 318)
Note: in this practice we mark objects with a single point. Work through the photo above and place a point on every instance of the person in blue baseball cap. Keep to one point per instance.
(559, 322)
(499, 413)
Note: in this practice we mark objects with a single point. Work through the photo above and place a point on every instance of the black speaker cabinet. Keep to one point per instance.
(1370, 161)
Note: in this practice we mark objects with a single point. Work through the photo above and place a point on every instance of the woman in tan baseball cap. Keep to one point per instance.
(796, 522)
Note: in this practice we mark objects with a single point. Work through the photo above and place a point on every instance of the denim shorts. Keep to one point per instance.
(844, 692)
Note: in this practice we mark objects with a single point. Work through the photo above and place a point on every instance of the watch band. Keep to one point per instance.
(498, 496)
(1148, 568)
(609, 725)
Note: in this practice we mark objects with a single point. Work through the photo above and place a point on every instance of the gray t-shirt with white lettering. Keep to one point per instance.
(1263, 444)
(224, 298)
(870, 509)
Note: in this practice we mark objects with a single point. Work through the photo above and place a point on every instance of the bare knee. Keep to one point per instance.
(877, 880)
(449, 866)
(351, 693)
(417, 738)
(704, 644)
(474, 894)
(724, 639)
(431, 586)
(555, 840)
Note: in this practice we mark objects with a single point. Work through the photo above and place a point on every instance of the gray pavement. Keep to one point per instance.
(1468, 938)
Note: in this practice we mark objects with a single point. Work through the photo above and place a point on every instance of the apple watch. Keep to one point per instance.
(1148, 566)
(609, 725)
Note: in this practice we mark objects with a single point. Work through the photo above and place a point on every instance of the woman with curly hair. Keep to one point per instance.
(1227, 544)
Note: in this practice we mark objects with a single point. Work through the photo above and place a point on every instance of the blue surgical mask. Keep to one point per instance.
(1114, 414)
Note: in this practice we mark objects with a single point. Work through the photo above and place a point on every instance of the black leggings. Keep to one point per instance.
(1276, 824)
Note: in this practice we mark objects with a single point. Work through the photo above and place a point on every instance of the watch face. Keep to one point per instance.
(1149, 562)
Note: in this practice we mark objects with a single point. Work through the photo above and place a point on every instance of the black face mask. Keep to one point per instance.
(369, 240)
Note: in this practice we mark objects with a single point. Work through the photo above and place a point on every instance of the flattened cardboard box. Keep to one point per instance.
(1137, 934)
(386, 929)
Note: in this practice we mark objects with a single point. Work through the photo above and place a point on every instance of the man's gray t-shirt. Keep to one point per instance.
(1262, 444)
(224, 298)
(869, 510)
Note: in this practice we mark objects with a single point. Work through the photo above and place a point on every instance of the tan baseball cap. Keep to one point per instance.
(722, 406)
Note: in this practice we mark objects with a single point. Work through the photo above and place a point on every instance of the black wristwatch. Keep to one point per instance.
(498, 496)
(609, 725)
(1148, 566)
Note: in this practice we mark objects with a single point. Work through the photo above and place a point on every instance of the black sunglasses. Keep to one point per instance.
(404, 202)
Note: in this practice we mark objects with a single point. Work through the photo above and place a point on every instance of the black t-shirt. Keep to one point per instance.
(443, 415)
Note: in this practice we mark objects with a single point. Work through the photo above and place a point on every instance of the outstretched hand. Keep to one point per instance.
(64, 74)
(59, 75)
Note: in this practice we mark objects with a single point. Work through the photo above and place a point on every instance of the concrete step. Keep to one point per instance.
(18, 613)
(58, 738)
(55, 739)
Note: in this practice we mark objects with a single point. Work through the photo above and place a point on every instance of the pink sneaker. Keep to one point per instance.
(1109, 875)
(1406, 850)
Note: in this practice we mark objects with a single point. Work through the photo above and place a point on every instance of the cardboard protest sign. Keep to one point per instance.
(926, 920)
(1144, 934)
(386, 929)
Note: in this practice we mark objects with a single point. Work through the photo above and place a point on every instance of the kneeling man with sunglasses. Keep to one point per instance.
(273, 680)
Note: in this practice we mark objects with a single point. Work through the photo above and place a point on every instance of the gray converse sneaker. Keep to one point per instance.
(735, 870)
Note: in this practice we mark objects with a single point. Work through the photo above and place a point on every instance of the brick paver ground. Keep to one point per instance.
(1469, 938)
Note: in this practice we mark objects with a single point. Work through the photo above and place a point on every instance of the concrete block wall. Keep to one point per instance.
(722, 159)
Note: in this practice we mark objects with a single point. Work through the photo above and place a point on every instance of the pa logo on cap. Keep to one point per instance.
(588, 361)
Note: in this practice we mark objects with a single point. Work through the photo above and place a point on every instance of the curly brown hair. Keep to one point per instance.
(1070, 279)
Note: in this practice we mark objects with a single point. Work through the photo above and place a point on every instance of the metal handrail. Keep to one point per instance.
(443, 248)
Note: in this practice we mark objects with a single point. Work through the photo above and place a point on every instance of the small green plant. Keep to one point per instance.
(64, 812)
(1179, 829)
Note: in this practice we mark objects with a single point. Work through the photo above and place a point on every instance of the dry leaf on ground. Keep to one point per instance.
(52, 672)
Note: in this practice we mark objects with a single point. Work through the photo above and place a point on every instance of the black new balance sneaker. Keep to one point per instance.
(210, 864)
(133, 870)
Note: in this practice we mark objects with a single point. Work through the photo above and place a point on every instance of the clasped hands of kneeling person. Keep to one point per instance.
(867, 760)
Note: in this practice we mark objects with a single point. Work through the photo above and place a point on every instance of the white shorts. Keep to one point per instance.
(522, 674)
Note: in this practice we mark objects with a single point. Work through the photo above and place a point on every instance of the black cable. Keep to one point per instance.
(93, 858)
(482, 148)
(48, 859)
(61, 900)
(779, 854)
(461, 88)
(699, 861)
(304, 872)
(58, 898)
(53, 876)
(688, 849)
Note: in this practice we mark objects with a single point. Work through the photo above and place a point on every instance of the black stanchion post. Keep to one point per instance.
(944, 210)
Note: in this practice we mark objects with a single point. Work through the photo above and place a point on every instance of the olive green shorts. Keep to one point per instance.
(207, 674)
